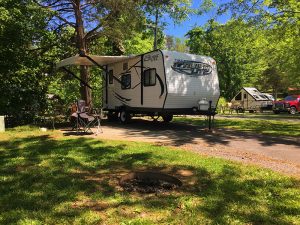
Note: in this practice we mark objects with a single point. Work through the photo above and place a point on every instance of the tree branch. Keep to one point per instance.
(53, 3)
(289, 11)
(94, 36)
(65, 20)
(60, 5)
(56, 15)
(65, 10)
(92, 32)
(252, 7)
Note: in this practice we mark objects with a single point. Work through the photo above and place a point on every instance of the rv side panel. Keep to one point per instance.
(185, 87)
(124, 86)
(138, 95)
(154, 90)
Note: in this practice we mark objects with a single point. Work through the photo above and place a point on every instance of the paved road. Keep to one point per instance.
(277, 153)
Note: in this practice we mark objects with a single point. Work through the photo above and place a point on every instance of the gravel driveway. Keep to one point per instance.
(281, 154)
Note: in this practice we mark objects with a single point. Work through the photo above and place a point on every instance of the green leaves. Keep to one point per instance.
(205, 6)
(260, 43)
(232, 46)
(22, 34)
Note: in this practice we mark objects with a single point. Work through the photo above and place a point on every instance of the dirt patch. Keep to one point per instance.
(91, 204)
(149, 182)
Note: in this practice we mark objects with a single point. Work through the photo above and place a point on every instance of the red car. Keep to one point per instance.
(290, 104)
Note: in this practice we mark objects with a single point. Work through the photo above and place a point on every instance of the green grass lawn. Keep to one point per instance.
(259, 126)
(46, 178)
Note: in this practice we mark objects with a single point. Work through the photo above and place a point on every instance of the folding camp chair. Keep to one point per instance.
(83, 121)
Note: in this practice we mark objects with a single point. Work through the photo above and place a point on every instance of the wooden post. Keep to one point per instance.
(209, 116)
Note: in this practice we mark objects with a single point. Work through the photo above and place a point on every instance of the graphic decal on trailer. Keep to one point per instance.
(123, 99)
(192, 68)
(161, 83)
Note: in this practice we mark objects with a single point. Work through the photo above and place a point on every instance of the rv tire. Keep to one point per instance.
(167, 118)
(124, 116)
(112, 116)
(240, 110)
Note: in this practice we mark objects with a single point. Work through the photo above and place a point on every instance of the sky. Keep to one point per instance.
(179, 30)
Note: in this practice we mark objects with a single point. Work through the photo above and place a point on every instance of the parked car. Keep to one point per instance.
(289, 104)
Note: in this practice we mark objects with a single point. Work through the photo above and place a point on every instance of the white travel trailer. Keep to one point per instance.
(250, 99)
(157, 83)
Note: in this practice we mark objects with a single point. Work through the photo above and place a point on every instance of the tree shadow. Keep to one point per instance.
(176, 133)
(179, 133)
(59, 180)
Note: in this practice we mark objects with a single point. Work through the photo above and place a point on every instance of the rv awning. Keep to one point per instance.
(85, 61)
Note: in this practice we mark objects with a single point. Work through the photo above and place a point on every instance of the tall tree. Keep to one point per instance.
(24, 63)
(178, 10)
(233, 46)
(281, 21)
(263, 11)
(176, 44)
(90, 20)
(93, 19)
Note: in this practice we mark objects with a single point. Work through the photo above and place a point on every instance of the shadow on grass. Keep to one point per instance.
(266, 133)
(59, 180)
(174, 132)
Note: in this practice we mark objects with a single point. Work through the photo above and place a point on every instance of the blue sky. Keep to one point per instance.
(179, 30)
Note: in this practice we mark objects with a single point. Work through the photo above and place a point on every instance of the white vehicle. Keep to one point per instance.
(158, 83)
(250, 99)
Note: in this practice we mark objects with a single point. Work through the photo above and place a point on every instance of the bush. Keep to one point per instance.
(221, 104)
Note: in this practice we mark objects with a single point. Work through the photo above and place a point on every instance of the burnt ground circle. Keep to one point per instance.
(149, 182)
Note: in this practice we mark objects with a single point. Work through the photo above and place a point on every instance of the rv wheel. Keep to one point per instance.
(167, 118)
(112, 116)
(124, 116)
(240, 110)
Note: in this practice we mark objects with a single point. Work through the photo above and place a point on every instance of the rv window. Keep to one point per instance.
(239, 96)
(111, 76)
(263, 96)
(150, 77)
(126, 81)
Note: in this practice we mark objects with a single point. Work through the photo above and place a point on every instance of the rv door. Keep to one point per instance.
(154, 89)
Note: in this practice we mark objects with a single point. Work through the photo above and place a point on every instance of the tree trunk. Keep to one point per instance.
(117, 47)
(155, 30)
(86, 93)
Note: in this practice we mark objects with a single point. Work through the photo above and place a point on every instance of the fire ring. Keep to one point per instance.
(149, 182)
